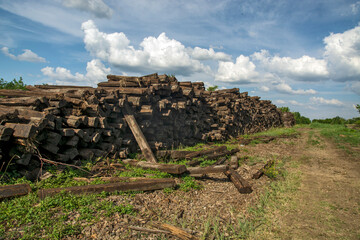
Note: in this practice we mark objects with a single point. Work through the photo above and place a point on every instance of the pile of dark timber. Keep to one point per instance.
(67, 123)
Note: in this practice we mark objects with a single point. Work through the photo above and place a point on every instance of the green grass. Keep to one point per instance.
(196, 147)
(344, 138)
(277, 132)
(140, 172)
(189, 183)
(28, 217)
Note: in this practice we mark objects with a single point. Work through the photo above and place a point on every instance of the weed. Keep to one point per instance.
(278, 132)
(140, 172)
(168, 190)
(33, 219)
(206, 163)
(189, 183)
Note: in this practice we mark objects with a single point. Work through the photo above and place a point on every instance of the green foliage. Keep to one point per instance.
(14, 84)
(213, 88)
(196, 147)
(301, 119)
(140, 172)
(284, 109)
(343, 137)
(206, 163)
(358, 107)
(276, 132)
(336, 120)
(188, 184)
(49, 218)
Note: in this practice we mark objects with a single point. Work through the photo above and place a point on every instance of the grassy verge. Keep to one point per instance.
(343, 137)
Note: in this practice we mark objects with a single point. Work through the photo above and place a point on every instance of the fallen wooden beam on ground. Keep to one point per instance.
(141, 185)
(240, 183)
(169, 168)
(16, 190)
(138, 134)
(205, 170)
(206, 152)
(262, 170)
(221, 154)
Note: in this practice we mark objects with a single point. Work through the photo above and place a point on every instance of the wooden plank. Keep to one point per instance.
(210, 169)
(206, 152)
(262, 170)
(22, 130)
(138, 134)
(5, 133)
(240, 183)
(169, 168)
(141, 185)
(8, 191)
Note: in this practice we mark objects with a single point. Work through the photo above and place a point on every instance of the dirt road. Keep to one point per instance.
(327, 202)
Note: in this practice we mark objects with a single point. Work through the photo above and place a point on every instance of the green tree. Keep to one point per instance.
(284, 109)
(301, 119)
(358, 107)
(213, 88)
(14, 84)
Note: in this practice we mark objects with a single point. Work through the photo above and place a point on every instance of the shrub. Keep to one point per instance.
(14, 84)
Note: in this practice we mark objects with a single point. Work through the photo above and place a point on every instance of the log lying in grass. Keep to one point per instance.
(14, 190)
(240, 183)
(262, 170)
(205, 170)
(218, 149)
(169, 168)
(221, 154)
(141, 185)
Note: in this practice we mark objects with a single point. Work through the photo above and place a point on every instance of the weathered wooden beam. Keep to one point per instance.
(5, 133)
(141, 185)
(210, 169)
(169, 168)
(138, 134)
(206, 152)
(22, 130)
(240, 183)
(8, 191)
(262, 170)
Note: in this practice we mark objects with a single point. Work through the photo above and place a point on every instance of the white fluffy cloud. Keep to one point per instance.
(209, 54)
(155, 54)
(323, 101)
(96, 7)
(280, 101)
(27, 56)
(342, 52)
(285, 88)
(264, 88)
(242, 71)
(295, 103)
(96, 72)
(305, 68)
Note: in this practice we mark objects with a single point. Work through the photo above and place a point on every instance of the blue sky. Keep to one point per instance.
(301, 54)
